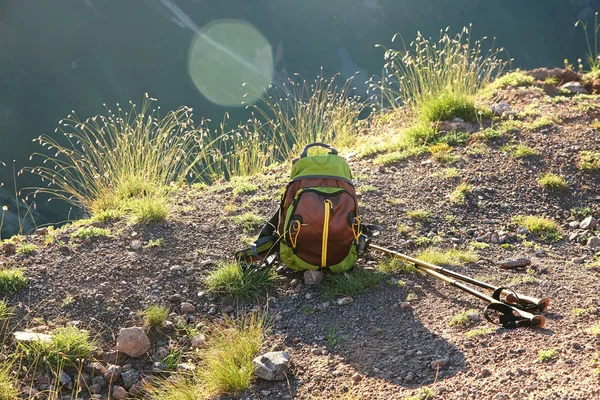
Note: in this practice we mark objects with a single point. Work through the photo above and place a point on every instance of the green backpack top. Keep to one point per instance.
(317, 225)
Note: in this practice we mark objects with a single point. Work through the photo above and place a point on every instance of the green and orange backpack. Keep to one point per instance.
(317, 225)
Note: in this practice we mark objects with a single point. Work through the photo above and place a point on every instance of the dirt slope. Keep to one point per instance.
(374, 347)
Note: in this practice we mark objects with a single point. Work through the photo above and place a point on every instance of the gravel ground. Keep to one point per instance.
(390, 342)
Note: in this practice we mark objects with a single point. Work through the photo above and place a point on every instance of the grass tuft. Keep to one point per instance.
(150, 209)
(463, 319)
(511, 79)
(12, 280)
(552, 182)
(350, 283)
(247, 221)
(155, 316)
(538, 225)
(589, 160)
(68, 346)
(522, 151)
(231, 280)
(453, 257)
(547, 355)
(419, 215)
(26, 248)
(479, 332)
(394, 264)
(594, 329)
(226, 361)
(459, 195)
(8, 388)
(90, 232)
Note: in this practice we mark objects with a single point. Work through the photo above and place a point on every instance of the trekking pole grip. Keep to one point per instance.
(308, 146)
(540, 304)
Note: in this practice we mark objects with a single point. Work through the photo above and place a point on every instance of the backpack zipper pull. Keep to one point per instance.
(328, 209)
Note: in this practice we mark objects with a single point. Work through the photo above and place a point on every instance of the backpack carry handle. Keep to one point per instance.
(308, 146)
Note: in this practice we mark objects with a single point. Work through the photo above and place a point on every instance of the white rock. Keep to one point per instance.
(574, 87)
(588, 223)
(136, 245)
(272, 366)
(313, 277)
(32, 337)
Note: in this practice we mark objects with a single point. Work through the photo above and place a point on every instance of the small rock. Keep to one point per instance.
(186, 367)
(227, 309)
(119, 393)
(175, 298)
(540, 252)
(272, 366)
(96, 369)
(574, 224)
(578, 260)
(113, 373)
(405, 305)
(515, 263)
(114, 357)
(95, 389)
(485, 373)
(29, 391)
(137, 389)
(32, 337)
(130, 378)
(187, 308)
(41, 231)
(161, 353)
(522, 230)
(593, 243)
(316, 352)
(313, 277)
(588, 223)
(99, 380)
(336, 373)
(9, 249)
(438, 364)
(574, 87)
(133, 342)
(136, 245)
(356, 377)
(176, 268)
(344, 301)
(158, 366)
(198, 341)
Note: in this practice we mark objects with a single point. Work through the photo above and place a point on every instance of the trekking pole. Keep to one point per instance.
(511, 316)
(520, 300)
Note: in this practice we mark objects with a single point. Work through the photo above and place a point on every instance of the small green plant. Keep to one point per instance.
(350, 283)
(90, 232)
(160, 242)
(479, 332)
(26, 248)
(333, 337)
(527, 279)
(423, 241)
(423, 393)
(463, 319)
(589, 160)
(507, 246)
(477, 149)
(452, 257)
(592, 56)
(541, 122)
(552, 182)
(478, 245)
(398, 156)
(449, 173)
(67, 346)
(394, 264)
(248, 221)
(174, 358)
(231, 280)
(243, 187)
(365, 189)
(581, 212)
(547, 355)
(12, 280)
(522, 151)
(308, 310)
(8, 387)
(511, 79)
(578, 312)
(155, 316)
(454, 138)
(551, 81)
(459, 195)
(489, 134)
(546, 227)
(68, 300)
(403, 229)
(594, 329)
(225, 363)
(150, 209)
(419, 215)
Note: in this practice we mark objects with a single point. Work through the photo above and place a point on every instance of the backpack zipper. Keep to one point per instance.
(328, 207)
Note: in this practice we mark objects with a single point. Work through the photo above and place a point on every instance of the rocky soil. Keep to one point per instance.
(393, 341)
